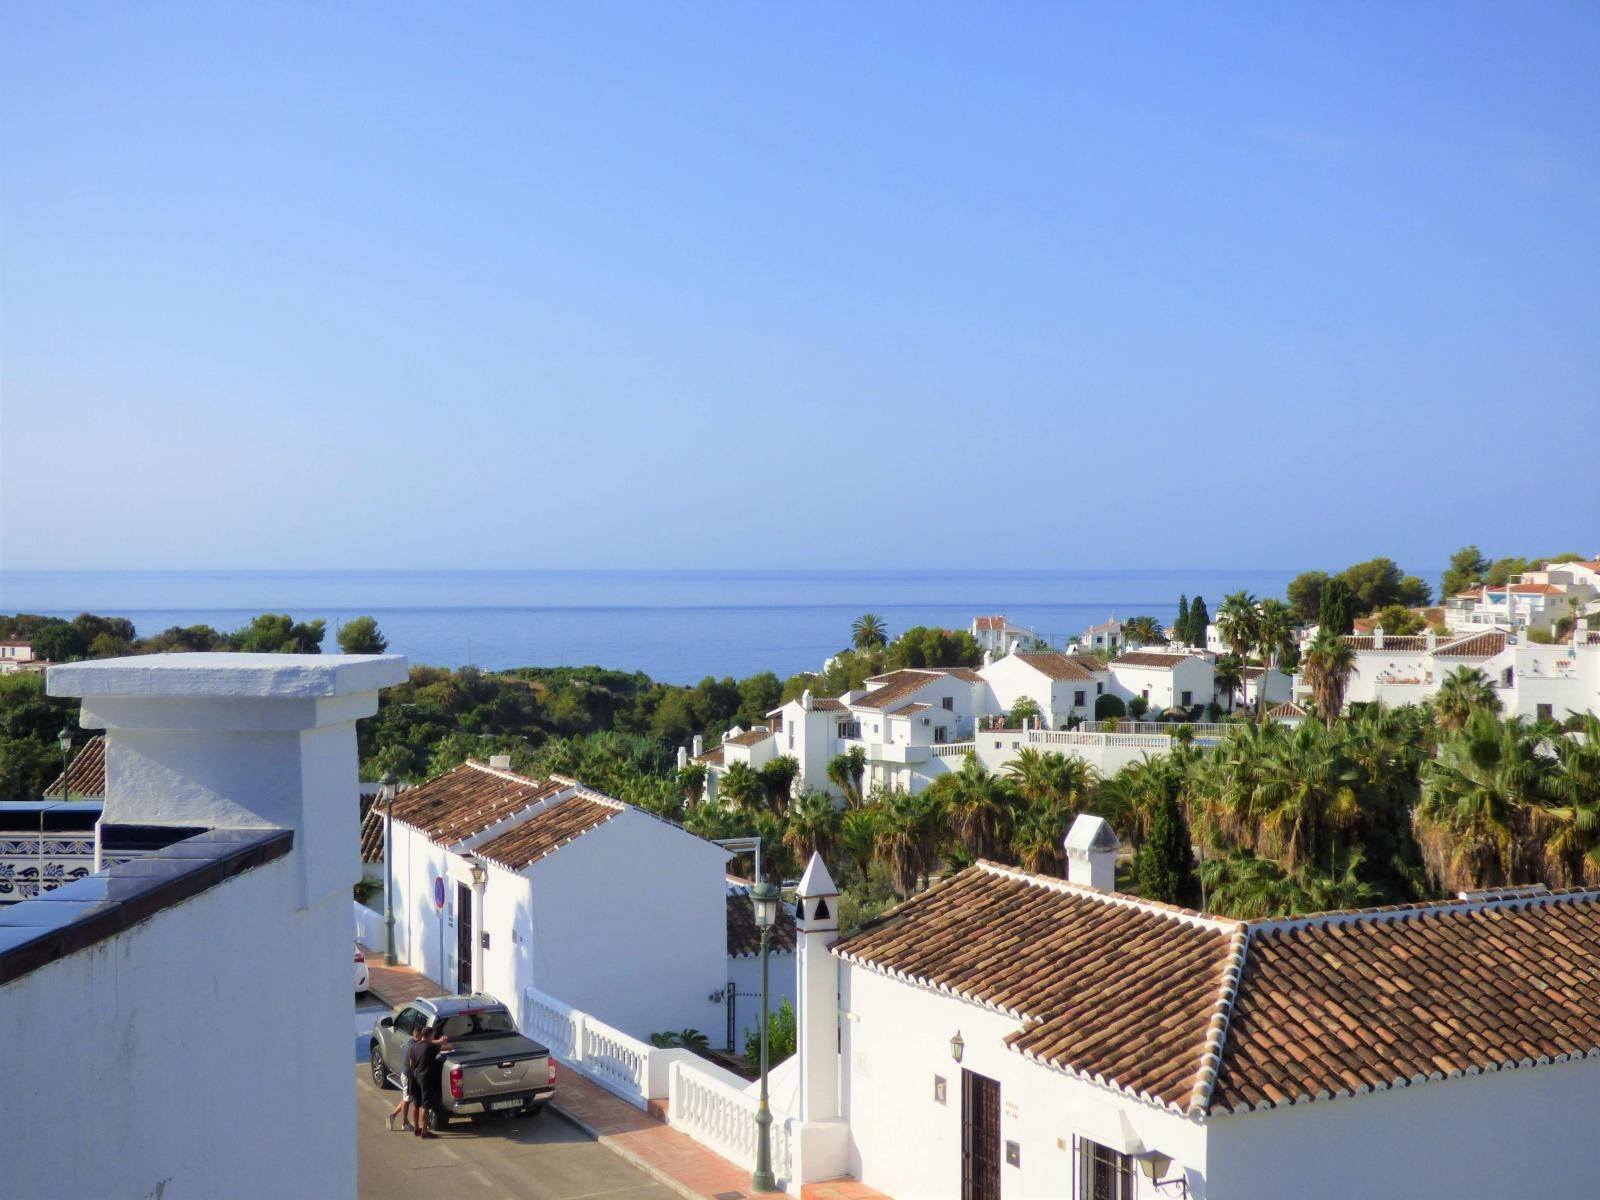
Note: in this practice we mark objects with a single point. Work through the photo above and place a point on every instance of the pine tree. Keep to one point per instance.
(1166, 860)
(1180, 627)
(1199, 618)
(1335, 613)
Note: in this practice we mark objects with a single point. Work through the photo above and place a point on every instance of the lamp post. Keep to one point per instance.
(764, 899)
(386, 793)
(64, 740)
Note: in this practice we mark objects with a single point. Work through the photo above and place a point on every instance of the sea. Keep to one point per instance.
(675, 626)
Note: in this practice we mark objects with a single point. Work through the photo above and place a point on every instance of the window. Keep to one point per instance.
(1079, 699)
(939, 732)
(850, 729)
(1099, 689)
(407, 1021)
(1543, 711)
(1188, 699)
(477, 1024)
(948, 704)
(1104, 1174)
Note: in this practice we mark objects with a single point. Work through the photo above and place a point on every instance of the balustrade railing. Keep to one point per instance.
(721, 1115)
(617, 1062)
(954, 747)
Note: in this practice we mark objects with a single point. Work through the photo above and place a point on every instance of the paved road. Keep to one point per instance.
(542, 1158)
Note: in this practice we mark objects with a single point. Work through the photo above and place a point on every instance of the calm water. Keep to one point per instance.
(675, 626)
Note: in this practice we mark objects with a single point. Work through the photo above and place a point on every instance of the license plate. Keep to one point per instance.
(506, 1104)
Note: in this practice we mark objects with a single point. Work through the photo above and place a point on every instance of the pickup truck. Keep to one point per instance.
(492, 1069)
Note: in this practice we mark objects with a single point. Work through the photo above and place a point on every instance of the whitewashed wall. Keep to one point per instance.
(896, 1039)
(745, 975)
(177, 1059)
(1488, 1137)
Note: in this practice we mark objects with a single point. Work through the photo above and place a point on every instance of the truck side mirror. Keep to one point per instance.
(386, 1022)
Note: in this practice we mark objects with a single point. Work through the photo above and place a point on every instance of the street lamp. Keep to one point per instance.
(386, 792)
(64, 740)
(764, 899)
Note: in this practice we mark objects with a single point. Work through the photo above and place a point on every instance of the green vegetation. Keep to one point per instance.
(361, 636)
(781, 1035)
(1371, 585)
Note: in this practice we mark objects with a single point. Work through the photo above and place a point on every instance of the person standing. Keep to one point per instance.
(420, 1053)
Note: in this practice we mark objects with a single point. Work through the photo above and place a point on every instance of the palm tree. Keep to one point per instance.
(845, 772)
(777, 781)
(978, 805)
(869, 632)
(1238, 622)
(1328, 665)
(1039, 835)
(1464, 690)
(1060, 779)
(811, 825)
(1228, 677)
(1486, 804)
(858, 837)
(741, 788)
(1573, 849)
(1143, 631)
(910, 828)
(1244, 886)
(1274, 631)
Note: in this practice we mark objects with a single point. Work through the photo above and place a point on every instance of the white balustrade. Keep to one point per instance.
(954, 747)
(718, 1113)
(607, 1056)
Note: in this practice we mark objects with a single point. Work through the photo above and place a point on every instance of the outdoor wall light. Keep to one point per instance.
(64, 739)
(764, 898)
(479, 875)
(1155, 1164)
(958, 1046)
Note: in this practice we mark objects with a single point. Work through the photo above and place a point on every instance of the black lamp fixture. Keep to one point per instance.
(958, 1046)
(764, 898)
(1155, 1164)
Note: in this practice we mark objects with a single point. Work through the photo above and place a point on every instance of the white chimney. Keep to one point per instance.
(683, 758)
(1430, 640)
(1377, 637)
(699, 745)
(805, 700)
(500, 762)
(1092, 854)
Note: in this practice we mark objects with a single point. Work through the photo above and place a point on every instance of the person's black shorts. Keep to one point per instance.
(430, 1096)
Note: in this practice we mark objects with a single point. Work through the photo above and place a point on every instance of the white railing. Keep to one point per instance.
(1071, 737)
(587, 1045)
(718, 1113)
(371, 932)
(954, 747)
(1207, 729)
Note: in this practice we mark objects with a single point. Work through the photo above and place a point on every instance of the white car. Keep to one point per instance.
(361, 970)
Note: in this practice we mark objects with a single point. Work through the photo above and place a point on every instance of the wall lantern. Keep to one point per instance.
(958, 1046)
(479, 875)
(1155, 1164)
(764, 898)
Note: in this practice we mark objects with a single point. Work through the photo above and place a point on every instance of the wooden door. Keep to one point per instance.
(463, 938)
(980, 1137)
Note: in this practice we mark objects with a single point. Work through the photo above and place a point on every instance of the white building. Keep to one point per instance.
(581, 896)
(1164, 679)
(997, 636)
(18, 656)
(1532, 600)
(1531, 679)
(1105, 636)
(1268, 685)
(983, 1043)
(202, 993)
(1064, 686)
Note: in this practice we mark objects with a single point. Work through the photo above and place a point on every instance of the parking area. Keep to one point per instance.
(541, 1158)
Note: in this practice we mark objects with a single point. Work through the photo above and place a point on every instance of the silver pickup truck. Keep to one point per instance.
(492, 1069)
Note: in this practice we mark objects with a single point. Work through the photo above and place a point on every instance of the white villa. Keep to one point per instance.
(1532, 600)
(1164, 679)
(18, 656)
(997, 636)
(1532, 679)
(1105, 636)
(576, 894)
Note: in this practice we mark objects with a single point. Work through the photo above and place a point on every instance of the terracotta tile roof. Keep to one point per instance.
(989, 622)
(711, 758)
(1472, 593)
(1056, 665)
(1407, 642)
(371, 831)
(1538, 589)
(547, 830)
(898, 685)
(1346, 1003)
(824, 705)
(1474, 645)
(1251, 672)
(1103, 626)
(468, 800)
(1151, 658)
(907, 710)
(751, 737)
(1090, 976)
(744, 939)
(1206, 1016)
(1287, 709)
(86, 773)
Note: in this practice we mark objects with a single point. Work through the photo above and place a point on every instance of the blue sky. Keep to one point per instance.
(853, 286)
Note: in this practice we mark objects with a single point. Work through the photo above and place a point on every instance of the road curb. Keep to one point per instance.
(624, 1153)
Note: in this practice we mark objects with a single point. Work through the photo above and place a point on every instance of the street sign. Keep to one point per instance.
(438, 891)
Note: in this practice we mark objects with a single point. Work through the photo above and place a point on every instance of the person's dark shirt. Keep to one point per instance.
(421, 1059)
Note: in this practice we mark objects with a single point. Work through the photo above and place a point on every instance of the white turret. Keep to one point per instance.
(1092, 853)
(817, 986)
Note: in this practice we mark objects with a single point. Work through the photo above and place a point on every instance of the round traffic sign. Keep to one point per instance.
(438, 891)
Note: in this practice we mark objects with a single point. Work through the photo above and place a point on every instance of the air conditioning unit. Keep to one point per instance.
(927, 720)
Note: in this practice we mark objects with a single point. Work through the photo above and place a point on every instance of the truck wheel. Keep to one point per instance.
(380, 1077)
